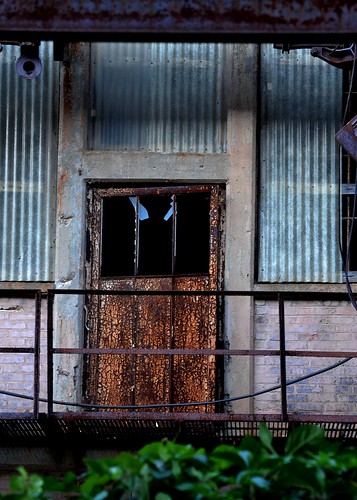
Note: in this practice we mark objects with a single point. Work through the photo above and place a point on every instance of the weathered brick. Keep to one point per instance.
(328, 325)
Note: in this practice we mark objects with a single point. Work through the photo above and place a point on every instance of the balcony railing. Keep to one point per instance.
(234, 424)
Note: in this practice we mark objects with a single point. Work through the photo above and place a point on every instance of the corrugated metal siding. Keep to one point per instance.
(301, 99)
(163, 97)
(28, 159)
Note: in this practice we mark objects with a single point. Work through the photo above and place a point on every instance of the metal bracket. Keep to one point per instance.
(340, 58)
(347, 137)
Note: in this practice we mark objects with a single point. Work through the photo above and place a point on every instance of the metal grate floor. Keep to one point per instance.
(91, 429)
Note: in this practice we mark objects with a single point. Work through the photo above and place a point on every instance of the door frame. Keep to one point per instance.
(95, 194)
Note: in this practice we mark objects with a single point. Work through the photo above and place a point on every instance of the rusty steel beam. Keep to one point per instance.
(209, 417)
(252, 20)
(195, 352)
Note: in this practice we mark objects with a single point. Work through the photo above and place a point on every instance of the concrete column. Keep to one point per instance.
(240, 229)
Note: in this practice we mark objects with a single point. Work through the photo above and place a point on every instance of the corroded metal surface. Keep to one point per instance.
(152, 322)
(118, 19)
(194, 327)
(131, 322)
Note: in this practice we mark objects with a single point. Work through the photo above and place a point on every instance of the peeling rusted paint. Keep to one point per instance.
(110, 17)
(150, 321)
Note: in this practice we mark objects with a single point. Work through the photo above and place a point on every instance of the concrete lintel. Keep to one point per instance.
(155, 166)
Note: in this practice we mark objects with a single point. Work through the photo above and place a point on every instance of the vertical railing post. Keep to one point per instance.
(36, 371)
(50, 300)
(282, 357)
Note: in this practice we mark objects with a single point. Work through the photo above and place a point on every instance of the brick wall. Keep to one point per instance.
(17, 327)
(315, 326)
(325, 326)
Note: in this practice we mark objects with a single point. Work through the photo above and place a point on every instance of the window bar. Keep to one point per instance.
(136, 243)
(174, 233)
(135, 297)
(36, 382)
(173, 298)
(282, 358)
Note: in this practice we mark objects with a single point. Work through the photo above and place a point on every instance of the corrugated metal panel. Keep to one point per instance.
(162, 97)
(298, 218)
(28, 155)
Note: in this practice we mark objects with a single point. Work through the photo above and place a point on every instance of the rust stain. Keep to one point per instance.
(149, 322)
(61, 182)
(196, 16)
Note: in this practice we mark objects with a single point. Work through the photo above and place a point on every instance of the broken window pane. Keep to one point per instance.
(192, 234)
(155, 235)
(118, 237)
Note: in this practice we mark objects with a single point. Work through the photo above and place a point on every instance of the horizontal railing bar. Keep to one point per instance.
(316, 295)
(206, 352)
(14, 350)
(16, 292)
(226, 417)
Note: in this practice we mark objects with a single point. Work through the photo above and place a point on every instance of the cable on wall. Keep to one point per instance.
(173, 405)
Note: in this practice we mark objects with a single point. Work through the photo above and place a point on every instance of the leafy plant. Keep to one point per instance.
(310, 467)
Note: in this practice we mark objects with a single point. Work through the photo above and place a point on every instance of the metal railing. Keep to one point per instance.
(35, 349)
(282, 352)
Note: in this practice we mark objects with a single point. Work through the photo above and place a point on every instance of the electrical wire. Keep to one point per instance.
(174, 405)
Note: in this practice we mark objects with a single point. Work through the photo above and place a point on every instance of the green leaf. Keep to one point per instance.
(225, 456)
(185, 486)
(254, 446)
(101, 496)
(303, 436)
(312, 467)
(266, 437)
(260, 482)
(246, 457)
(162, 496)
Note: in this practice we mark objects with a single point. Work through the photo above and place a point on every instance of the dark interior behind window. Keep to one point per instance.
(155, 235)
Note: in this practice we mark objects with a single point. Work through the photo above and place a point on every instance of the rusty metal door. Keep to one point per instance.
(151, 239)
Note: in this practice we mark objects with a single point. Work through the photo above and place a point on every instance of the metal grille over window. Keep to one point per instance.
(299, 168)
(28, 156)
(159, 97)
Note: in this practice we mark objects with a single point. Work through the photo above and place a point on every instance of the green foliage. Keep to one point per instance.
(310, 467)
